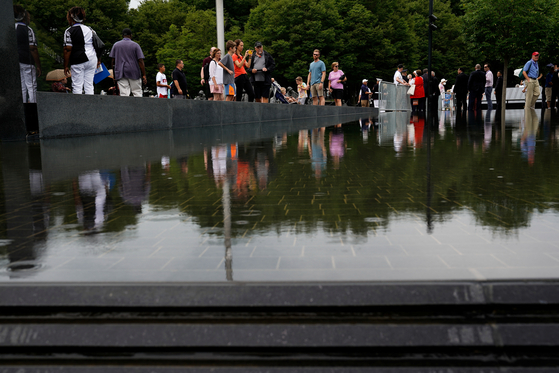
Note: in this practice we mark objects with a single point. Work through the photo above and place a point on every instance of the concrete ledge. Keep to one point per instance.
(269, 369)
(276, 295)
(66, 115)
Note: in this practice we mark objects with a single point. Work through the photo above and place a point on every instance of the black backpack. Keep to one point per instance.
(207, 72)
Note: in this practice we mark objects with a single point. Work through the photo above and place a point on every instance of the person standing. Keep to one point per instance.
(549, 86)
(499, 88)
(241, 79)
(531, 72)
(398, 79)
(228, 67)
(79, 52)
(365, 94)
(261, 67)
(29, 61)
(205, 75)
(461, 89)
(128, 64)
(488, 85)
(335, 85)
(161, 82)
(180, 86)
(476, 86)
(302, 90)
(216, 76)
(315, 80)
(419, 93)
(555, 87)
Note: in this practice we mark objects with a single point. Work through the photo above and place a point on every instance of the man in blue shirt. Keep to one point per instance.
(315, 80)
(531, 72)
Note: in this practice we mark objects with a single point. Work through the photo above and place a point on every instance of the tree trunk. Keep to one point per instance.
(503, 97)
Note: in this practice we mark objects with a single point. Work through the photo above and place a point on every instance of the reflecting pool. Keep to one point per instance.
(381, 199)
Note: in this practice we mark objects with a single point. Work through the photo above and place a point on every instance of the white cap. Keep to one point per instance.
(364, 80)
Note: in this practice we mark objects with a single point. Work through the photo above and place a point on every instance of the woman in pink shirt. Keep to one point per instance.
(335, 85)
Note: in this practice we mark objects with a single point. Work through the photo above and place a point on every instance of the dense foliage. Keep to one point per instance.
(367, 37)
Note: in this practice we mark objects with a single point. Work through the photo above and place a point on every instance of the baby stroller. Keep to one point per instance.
(277, 96)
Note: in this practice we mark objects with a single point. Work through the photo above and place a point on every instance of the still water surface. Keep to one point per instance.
(375, 200)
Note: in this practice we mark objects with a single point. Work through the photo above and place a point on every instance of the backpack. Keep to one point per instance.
(207, 72)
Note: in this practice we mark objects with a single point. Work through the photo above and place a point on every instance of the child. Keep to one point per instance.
(161, 82)
(302, 89)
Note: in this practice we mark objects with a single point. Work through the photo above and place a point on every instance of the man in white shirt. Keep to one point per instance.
(161, 82)
(488, 85)
(398, 79)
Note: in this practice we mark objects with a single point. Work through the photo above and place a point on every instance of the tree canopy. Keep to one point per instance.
(369, 38)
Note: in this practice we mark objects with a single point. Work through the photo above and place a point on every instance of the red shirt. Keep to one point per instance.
(419, 89)
(238, 70)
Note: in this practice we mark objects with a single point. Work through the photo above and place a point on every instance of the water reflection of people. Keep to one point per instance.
(90, 197)
(487, 131)
(303, 142)
(337, 145)
(528, 139)
(135, 185)
(418, 122)
(365, 125)
(317, 151)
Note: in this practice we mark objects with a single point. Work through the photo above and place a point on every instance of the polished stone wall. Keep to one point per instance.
(12, 122)
(66, 115)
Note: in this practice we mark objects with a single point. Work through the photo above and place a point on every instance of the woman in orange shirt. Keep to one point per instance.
(241, 79)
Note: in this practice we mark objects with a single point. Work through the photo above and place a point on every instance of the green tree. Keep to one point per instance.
(191, 43)
(510, 30)
(450, 50)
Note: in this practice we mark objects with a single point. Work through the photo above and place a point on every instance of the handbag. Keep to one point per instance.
(98, 44)
(411, 91)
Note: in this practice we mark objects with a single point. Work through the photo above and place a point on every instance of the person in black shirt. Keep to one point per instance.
(179, 81)
(29, 62)
(476, 86)
(461, 89)
(80, 57)
(555, 87)
(499, 87)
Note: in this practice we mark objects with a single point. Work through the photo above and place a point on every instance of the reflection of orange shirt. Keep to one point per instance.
(243, 178)
(238, 70)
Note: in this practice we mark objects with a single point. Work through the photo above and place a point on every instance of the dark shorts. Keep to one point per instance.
(338, 94)
(261, 89)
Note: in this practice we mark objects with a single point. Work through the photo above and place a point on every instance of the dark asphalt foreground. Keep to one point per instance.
(344, 327)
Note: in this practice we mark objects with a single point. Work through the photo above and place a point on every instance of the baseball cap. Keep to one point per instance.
(257, 44)
(536, 54)
(364, 81)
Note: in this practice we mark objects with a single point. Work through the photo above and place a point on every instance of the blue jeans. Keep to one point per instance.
(488, 91)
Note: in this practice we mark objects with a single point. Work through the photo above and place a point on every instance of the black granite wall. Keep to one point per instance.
(62, 115)
(12, 122)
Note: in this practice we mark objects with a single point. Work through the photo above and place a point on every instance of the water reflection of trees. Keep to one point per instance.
(356, 187)
(370, 186)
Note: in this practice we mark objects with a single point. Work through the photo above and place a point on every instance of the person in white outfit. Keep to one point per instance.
(216, 76)
(29, 62)
(79, 52)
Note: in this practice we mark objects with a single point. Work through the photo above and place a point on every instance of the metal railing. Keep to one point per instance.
(393, 97)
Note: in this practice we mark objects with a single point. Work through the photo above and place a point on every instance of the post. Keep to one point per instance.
(11, 103)
(430, 54)
(220, 26)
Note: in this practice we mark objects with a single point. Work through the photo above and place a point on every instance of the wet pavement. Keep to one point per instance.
(381, 199)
